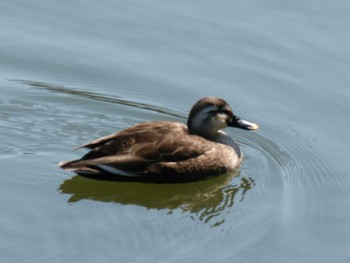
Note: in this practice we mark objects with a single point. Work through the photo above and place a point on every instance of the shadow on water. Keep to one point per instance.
(205, 199)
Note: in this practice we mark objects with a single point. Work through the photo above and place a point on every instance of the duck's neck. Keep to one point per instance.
(223, 138)
(219, 137)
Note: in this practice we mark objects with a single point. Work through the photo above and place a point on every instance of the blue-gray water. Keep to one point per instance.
(72, 71)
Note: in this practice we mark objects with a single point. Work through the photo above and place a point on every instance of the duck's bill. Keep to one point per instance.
(242, 124)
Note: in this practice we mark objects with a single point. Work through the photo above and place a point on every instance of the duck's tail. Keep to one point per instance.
(76, 167)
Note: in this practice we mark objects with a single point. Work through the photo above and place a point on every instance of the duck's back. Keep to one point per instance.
(151, 141)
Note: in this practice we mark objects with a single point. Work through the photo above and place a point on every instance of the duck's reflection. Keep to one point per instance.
(205, 199)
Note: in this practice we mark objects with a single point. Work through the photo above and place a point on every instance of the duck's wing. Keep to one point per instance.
(131, 151)
(115, 136)
(98, 142)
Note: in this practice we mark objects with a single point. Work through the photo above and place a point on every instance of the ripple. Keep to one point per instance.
(279, 167)
(109, 98)
(212, 202)
(310, 190)
(315, 191)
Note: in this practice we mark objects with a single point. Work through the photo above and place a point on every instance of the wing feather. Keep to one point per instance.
(136, 148)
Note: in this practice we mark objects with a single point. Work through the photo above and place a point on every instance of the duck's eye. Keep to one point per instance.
(219, 111)
(227, 112)
(224, 111)
(215, 112)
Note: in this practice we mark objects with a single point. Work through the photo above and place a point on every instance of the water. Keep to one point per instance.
(72, 71)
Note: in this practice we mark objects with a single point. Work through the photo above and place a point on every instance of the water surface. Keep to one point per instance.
(73, 71)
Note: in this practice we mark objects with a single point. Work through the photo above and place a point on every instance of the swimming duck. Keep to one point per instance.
(165, 151)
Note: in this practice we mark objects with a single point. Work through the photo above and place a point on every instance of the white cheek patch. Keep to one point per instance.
(205, 119)
(201, 116)
(220, 120)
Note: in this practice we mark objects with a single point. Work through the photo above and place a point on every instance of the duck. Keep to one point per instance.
(167, 151)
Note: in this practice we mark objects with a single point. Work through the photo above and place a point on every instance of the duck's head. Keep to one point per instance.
(211, 114)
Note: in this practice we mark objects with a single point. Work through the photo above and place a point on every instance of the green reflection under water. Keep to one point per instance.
(205, 200)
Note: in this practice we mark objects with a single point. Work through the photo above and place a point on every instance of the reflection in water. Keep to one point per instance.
(206, 199)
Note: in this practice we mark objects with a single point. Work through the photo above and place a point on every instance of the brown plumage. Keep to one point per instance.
(166, 151)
